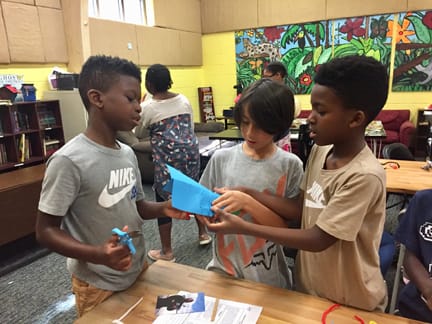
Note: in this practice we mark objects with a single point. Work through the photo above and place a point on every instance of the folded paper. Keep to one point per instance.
(189, 195)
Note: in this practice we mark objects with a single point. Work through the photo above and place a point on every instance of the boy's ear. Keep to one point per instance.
(95, 98)
(358, 118)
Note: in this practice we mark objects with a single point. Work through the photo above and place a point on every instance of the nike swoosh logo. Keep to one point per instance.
(313, 204)
(108, 200)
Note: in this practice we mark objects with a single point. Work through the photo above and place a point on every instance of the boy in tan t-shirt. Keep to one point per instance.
(342, 205)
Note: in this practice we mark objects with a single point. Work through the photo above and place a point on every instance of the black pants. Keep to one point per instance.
(162, 220)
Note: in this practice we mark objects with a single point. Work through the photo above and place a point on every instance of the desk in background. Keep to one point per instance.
(409, 178)
(279, 305)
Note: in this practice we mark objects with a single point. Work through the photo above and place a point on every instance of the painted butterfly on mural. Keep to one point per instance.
(379, 27)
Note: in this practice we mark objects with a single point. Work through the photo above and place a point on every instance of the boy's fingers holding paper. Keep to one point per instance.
(226, 223)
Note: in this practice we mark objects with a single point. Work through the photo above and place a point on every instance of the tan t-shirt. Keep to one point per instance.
(349, 204)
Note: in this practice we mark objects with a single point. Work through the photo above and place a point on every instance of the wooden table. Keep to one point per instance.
(279, 305)
(409, 178)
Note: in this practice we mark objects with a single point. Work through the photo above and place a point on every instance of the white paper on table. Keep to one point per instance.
(228, 312)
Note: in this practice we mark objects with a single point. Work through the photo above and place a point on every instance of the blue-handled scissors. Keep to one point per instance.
(125, 238)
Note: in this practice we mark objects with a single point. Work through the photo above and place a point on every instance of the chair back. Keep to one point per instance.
(305, 143)
(397, 151)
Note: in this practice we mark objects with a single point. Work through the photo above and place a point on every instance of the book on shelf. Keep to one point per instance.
(21, 148)
(5, 102)
(46, 118)
(21, 121)
(50, 146)
(3, 154)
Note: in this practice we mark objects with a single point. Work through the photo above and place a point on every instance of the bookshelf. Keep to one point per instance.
(205, 100)
(29, 133)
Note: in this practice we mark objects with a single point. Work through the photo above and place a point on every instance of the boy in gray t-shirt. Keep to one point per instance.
(264, 114)
(93, 184)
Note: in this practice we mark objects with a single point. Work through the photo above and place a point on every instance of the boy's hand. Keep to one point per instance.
(172, 212)
(427, 295)
(224, 222)
(116, 256)
(231, 200)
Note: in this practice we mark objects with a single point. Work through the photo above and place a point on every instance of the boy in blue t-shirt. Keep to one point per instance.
(415, 232)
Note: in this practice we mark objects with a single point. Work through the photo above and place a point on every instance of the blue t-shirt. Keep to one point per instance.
(415, 232)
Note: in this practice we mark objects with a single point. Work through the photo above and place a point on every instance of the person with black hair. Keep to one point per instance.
(342, 202)
(276, 71)
(169, 118)
(264, 113)
(93, 185)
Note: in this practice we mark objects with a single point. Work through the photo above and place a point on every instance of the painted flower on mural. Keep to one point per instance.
(402, 31)
(273, 33)
(353, 28)
(305, 79)
(427, 19)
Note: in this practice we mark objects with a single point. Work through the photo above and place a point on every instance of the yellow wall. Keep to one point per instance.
(33, 73)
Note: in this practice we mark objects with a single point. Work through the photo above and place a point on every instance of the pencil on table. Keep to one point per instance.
(215, 307)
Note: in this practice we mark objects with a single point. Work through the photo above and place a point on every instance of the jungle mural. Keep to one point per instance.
(413, 53)
(303, 47)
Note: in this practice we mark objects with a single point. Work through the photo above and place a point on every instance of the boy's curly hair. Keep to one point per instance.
(361, 82)
(100, 72)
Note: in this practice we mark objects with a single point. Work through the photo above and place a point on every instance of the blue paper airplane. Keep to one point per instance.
(188, 195)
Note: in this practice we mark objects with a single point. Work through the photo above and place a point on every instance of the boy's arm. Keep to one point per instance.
(150, 210)
(111, 254)
(419, 276)
(313, 239)
(232, 201)
(288, 208)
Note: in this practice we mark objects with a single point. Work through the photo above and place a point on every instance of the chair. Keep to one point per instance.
(305, 143)
(397, 151)
(398, 272)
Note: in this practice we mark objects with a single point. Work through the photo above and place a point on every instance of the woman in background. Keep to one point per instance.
(168, 116)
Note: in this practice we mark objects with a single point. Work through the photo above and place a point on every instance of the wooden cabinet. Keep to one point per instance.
(424, 123)
(19, 198)
(29, 133)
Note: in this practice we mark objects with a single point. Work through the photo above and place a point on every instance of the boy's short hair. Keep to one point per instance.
(100, 72)
(270, 105)
(361, 82)
(159, 77)
(276, 67)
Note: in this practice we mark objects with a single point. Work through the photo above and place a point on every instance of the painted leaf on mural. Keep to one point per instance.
(413, 53)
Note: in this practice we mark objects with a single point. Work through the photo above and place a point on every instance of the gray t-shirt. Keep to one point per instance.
(94, 189)
(246, 256)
